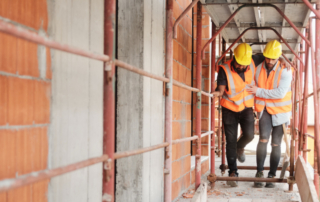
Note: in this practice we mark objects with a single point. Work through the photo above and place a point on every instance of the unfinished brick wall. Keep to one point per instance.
(182, 175)
(181, 125)
(25, 89)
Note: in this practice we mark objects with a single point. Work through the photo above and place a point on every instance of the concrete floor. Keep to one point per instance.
(245, 192)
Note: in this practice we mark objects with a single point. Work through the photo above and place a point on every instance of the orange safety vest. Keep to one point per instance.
(236, 98)
(273, 106)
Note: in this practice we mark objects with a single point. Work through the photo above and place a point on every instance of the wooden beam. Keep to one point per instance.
(304, 181)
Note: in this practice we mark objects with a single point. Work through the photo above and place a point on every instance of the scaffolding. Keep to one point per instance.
(298, 127)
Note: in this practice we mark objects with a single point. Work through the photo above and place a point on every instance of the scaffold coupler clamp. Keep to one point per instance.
(291, 180)
(107, 167)
(212, 178)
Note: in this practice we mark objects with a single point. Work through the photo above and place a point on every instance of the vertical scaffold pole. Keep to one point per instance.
(109, 102)
(316, 175)
(168, 102)
(198, 105)
(213, 101)
(301, 70)
(304, 116)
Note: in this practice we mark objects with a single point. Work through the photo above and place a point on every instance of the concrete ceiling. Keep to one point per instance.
(295, 10)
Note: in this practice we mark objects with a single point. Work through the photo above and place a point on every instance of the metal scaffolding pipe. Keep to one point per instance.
(256, 28)
(304, 114)
(33, 37)
(254, 168)
(315, 82)
(317, 61)
(212, 110)
(168, 102)
(191, 5)
(109, 102)
(187, 139)
(198, 105)
(251, 179)
(34, 177)
(310, 6)
(120, 155)
(254, 5)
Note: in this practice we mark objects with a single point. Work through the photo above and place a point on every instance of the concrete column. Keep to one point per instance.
(77, 97)
(140, 100)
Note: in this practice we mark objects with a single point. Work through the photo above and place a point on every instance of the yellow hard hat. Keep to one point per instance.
(273, 50)
(243, 54)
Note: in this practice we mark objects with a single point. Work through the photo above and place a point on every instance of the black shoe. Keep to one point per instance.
(233, 183)
(258, 184)
(240, 155)
(270, 184)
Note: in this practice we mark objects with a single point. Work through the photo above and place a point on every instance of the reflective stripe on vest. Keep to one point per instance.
(236, 98)
(232, 87)
(273, 106)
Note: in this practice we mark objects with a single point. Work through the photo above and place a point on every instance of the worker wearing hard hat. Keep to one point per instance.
(233, 78)
(273, 104)
(234, 75)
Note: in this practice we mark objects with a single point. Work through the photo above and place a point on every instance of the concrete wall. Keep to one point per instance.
(140, 100)
(77, 96)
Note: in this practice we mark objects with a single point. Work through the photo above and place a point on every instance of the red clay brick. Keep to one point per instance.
(3, 196)
(206, 85)
(176, 188)
(188, 78)
(49, 71)
(188, 129)
(7, 154)
(204, 150)
(204, 167)
(193, 176)
(205, 34)
(27, 63)
(205, 72)
(176, 130)
(176, 93)
(20, 101)
(188, 112)
(176, 111)
(182, 74)
(3, 99)
(205, 140)
(39, 191)
(22, 194)
(185, 181)
(41, 109)
(176, 152)
(8, 53)
(176, 70)
(205, 112)
(176, 169)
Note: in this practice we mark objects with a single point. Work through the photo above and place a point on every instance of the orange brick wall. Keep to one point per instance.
(181, 125)
(24, 101)
(182, 176)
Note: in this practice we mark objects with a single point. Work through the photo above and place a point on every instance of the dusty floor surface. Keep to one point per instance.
(245, 192)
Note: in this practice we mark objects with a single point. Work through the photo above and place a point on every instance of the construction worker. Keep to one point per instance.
(273, 104)
(233, 77)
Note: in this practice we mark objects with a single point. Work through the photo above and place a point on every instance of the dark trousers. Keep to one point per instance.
(266, 129)
(230, 121)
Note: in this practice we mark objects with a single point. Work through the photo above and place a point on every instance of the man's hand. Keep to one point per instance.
(217, 94)
(284, 63)
(252, 89)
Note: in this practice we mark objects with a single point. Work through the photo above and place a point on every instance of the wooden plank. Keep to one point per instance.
(304, 181)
